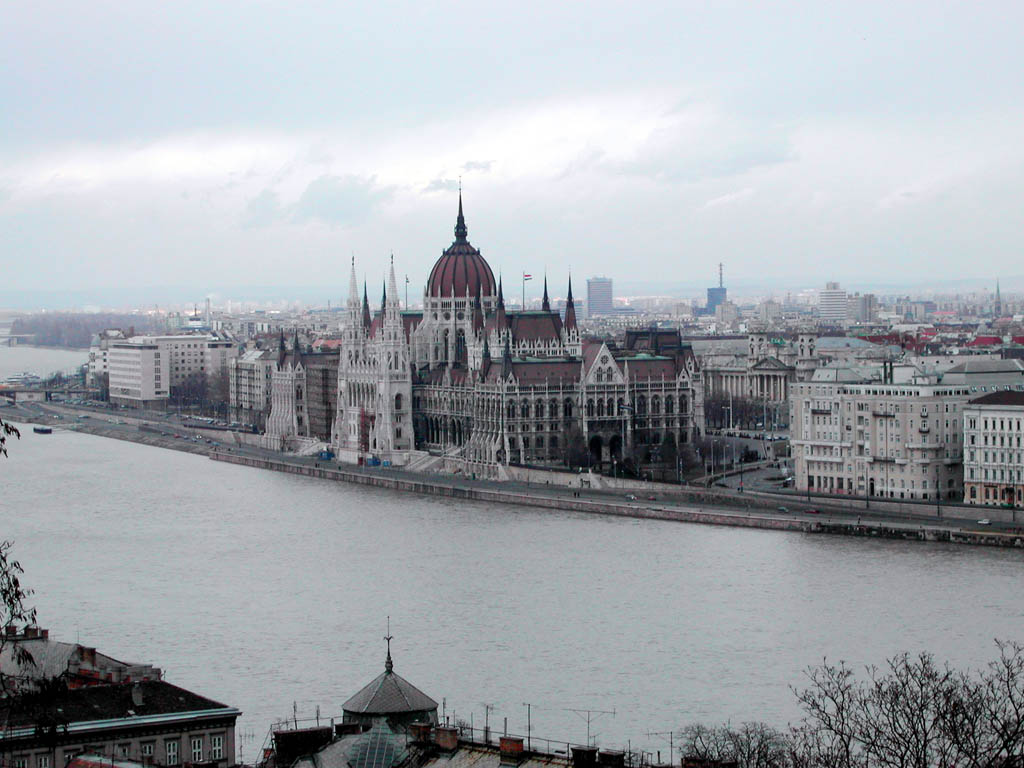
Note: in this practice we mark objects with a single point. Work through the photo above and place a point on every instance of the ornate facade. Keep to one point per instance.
(479, 384)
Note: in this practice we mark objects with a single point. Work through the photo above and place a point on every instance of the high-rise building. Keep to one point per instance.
(599, 296)
(716, 295)
(832, 305)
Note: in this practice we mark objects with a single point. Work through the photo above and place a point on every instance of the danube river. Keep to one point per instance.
(261, 589)
(39, 360)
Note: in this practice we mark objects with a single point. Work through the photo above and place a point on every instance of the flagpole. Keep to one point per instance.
(524, 291)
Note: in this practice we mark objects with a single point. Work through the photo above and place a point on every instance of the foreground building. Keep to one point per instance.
(74, 701)
(485, 386)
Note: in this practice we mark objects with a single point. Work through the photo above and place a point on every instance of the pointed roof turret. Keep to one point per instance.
(506, 360)
(391, 695)
(353, 286)
(461, 231)
(282, 349)
(383, 296)
(499, 316)
(478, 314)
(570, 310)
(366, 308)
(546, 304)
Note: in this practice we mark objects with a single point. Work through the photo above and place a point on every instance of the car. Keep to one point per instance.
(652, 497)
(812, 511)
(984, 521)
(782, 509)
(178, 436)
(631, 496)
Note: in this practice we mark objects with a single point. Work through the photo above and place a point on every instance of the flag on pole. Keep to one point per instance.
(527, 277)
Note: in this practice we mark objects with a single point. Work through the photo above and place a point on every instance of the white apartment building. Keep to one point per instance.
(99, 355)
(249, 381)
(833, 305)
(893, 440)
(993, 453)
(144, 369)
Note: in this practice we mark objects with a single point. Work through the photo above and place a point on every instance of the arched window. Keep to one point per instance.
(398, 401)
(511, 410)
(590, 408)
(669, 404)
(553, 409)
(655, 404)
(524, 409)
(567, 409)
(600, 407)
(539, 409)
(641, 404)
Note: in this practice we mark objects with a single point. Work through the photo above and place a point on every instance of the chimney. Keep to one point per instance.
(10, 630)
(137, 698)
(31, 631)
(420, 732)
(511, 750)
(44, 633)
(584, 757)
(446, 737)
(610, 758)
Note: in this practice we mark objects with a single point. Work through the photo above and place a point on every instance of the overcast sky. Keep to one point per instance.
(222, 143)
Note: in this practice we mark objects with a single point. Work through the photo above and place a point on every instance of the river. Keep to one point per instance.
(39, 360)
(261, 589)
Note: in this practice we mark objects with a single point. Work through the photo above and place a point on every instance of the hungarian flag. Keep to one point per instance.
(527, 277)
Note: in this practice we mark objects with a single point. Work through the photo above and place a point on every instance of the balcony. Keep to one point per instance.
(821, 411)
(883, 414)
(924, 429)
(883, 459)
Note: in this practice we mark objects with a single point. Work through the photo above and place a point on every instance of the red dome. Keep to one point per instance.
(461, 269)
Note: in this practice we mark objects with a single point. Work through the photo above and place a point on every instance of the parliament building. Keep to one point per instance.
(476, 385)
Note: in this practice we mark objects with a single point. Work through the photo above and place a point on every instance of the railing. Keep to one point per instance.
(884, 414)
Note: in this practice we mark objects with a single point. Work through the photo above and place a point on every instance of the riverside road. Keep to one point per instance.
(181, 433)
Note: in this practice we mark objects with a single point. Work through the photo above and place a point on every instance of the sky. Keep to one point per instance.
(212, 148)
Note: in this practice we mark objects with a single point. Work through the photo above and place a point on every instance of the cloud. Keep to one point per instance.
(729, 198)
(442, 185)
(263, 209)
(478, 165)
(340, 200)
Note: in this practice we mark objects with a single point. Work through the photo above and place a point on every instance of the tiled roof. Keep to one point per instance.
(1005, 397)
(112, 702)
(389, 694)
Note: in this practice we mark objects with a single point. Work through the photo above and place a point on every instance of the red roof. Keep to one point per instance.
(985, 341)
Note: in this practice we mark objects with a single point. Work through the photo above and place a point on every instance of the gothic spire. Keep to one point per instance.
(546, 305)
(353, 286)
(570, 309)
(460, 223)
(366, 308)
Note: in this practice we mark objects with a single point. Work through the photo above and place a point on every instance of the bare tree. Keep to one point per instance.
(13, 611)
(7, 430)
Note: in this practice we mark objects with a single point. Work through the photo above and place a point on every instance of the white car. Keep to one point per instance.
(984, 521)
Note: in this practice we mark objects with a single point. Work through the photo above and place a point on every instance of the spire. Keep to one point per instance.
(501, 298)
(460, 223)
(295, 342)
(281, 349)
(506, 360)
(388, 664)
(353, 286)
(546, 305)
(366, 308)
(485, 360)
(570, 310)
(392, 283)
(383, 296)
(478, 312)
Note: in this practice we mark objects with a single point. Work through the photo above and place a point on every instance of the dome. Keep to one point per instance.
(461, 269)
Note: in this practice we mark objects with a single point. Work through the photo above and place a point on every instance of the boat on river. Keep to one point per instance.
(42, 430)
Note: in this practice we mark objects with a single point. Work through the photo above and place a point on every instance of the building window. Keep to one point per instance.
(172, 752)
(197, 749)
(146, 750)
(124, 749)
(19, 762)
(217, 747)
(42, 761)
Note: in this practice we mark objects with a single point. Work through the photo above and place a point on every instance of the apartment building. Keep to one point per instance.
(249, 386)
(857, 436)
(993, 454)
(143, 370)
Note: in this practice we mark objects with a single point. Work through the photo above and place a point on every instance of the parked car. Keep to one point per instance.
(812, 511)
(984, 521)
(631, 496)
